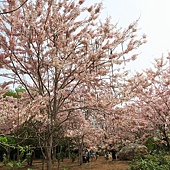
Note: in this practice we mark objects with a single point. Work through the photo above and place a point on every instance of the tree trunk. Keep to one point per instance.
(58, 164)
(49, 153)
(18, 155)
(81, 151)
(54, 155)
(68, 148)
(43, 163)
(8, 153)
(166, 139)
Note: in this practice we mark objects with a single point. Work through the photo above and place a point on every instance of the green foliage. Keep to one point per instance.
(5, 160)
(150, 144)
(155, 145)
(20, 89)
(62, 156)
(151, 162)
(73, 157)
(10, 140)
(10, 93)
(15, 93)
(65, 168)
(15, 165)
(3, 140)
(23, 149)
(58, 156)
(7, 140)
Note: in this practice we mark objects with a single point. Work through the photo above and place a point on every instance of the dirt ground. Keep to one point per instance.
(100, 164)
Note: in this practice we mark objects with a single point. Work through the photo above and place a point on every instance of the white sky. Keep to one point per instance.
(154, 22)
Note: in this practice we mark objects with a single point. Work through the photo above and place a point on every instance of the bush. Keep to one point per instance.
(5, 160)
(73, 157)
(151, 162)
(15, 165)
(62, 156)
(58, 156)
(155, 146)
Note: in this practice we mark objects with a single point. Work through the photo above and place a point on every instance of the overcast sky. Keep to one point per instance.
(154, 22)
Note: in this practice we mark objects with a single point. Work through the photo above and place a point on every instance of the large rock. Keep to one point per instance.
(131, 151)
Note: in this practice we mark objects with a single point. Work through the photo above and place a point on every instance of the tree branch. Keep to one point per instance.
(1, 13)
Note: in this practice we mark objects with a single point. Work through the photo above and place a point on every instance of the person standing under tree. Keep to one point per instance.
(88, 156)
(113, 151)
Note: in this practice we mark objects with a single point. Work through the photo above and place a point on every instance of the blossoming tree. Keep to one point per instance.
(65, 61)
(151, 99)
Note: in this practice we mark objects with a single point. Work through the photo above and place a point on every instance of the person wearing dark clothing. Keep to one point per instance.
(84, 157)
(113, 151)
(88, 156)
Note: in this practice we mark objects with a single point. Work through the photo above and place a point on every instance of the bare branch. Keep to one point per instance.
(1, 13)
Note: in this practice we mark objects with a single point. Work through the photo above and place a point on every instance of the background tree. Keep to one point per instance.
(151, 99)
(85, 133)
(144, 111)
(10, 120)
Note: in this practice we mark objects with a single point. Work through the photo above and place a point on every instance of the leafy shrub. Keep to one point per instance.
(155, 146)
(73, 157)
(58, 156)
(65, 169)
(62, 155)
(5, 160)
(15, 165)
(150, 144)
(151, 162)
